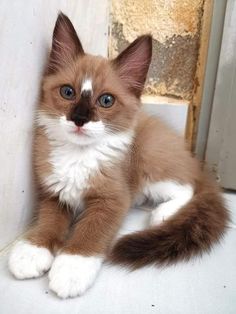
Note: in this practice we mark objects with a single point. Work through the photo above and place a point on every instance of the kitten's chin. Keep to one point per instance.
(91, 133)
(81, 139)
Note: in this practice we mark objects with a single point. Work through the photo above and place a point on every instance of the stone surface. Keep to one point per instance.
(175, 27)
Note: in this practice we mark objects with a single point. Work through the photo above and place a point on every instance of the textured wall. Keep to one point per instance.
(175, 26)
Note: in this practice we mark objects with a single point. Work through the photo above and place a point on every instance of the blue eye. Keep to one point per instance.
(106, 100)
(67, 92)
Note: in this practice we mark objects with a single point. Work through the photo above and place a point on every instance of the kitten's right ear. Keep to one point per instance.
(65, 44)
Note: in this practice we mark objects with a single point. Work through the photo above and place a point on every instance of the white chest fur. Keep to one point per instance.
(73, 166)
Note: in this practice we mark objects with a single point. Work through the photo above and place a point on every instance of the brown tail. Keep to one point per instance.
(192, 231)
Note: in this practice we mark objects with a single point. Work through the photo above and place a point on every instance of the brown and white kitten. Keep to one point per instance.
(96, 154)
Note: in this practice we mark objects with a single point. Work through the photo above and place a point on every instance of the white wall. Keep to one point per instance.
(26, 28)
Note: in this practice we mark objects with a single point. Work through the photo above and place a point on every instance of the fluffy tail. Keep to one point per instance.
(190, 232)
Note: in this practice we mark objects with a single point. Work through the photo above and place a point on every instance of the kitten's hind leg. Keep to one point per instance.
(175, 196)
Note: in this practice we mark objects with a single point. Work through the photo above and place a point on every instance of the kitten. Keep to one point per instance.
(96, 154)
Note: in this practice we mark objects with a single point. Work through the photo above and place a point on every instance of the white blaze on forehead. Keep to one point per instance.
(86, 86)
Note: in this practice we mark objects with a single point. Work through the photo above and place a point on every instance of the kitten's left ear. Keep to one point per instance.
(65, 44)
(132, 64)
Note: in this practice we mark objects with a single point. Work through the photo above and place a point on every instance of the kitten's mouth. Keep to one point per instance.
(80, 131)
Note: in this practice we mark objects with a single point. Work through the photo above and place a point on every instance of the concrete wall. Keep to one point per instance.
(175, 27)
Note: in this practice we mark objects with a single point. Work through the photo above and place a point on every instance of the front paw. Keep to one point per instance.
(72, 275)
(27, 260)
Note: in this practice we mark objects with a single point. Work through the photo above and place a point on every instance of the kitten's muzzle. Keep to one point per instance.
(79, 120)
(80, 114)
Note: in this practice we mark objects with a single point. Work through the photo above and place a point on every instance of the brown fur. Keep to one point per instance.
(51, 226)
(192, 231)
(156, 154)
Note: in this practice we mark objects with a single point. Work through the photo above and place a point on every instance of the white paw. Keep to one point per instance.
(72, 275)
(28, 261)
(162, 213)
(157, 218)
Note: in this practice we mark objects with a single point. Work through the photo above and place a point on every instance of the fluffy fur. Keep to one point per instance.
(190, 232)
(93, 160)
(73, 166)
(72, 275)
(29, 261)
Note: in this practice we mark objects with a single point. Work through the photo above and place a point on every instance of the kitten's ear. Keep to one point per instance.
(132, 64)
(65, 44)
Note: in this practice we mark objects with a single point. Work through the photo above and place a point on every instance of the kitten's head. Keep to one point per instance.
(86, 97)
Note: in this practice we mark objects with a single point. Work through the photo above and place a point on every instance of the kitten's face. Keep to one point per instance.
(84, 97)
(88, 100)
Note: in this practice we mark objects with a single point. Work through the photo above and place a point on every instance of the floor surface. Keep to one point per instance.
(202, 286)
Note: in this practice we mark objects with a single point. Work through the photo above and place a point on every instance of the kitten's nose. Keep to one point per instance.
(79, 120)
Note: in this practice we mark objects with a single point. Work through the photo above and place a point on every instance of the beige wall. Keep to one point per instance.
(175, 26)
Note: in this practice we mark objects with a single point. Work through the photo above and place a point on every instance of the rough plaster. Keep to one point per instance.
(175, 26)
